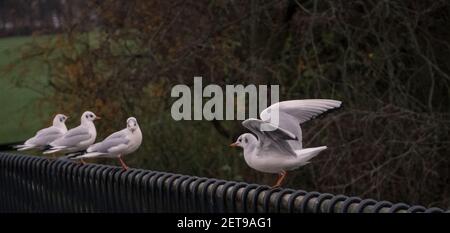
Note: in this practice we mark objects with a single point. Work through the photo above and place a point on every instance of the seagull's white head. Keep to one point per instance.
(59, 119)
(88, 116)
(245, 141)
(132, 124)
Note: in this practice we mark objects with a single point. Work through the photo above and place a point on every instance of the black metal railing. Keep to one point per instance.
(35, 184)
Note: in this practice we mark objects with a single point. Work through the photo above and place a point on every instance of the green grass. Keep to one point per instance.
(18, 115)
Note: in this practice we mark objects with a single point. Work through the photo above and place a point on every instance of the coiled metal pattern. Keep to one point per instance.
(34, 184)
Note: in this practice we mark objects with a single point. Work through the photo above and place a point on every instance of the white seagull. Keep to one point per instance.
(45, 136)
(78, 138)
(117, 144)
(278, 145)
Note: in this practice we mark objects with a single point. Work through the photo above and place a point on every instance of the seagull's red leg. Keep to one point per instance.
(124, 166)
(281, 177)
(277, 184)
(82, 161)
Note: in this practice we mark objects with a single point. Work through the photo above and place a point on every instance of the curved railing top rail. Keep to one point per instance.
(35, 184)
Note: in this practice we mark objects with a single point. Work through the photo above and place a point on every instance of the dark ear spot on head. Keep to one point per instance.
(246, 140)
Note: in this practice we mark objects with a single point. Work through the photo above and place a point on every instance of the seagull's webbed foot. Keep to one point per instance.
(281, 177)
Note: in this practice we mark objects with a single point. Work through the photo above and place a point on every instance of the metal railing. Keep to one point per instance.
(35, 184)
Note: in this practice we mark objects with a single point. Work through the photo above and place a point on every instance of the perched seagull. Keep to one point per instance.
(45, 136)
(117, 144)
(78, 138)
(278, 145)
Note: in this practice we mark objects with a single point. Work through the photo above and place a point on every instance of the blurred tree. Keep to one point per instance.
(388, 61)
(23, 17)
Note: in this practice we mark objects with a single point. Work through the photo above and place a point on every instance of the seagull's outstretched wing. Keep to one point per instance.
(292, 113)
(302, 110)
(270, 135)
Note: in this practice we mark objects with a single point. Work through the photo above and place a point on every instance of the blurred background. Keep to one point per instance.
(388, 61)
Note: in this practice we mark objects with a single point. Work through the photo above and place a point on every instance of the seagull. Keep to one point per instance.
(277, 147)
(78, 138)
(45, 136)
(117, 144)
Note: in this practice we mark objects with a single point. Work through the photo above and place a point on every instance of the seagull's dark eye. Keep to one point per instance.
(240, 140)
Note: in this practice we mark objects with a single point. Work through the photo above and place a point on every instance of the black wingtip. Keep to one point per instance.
(329, 111)
(73, 155)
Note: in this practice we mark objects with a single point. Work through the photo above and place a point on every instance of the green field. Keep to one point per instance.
(18, 116)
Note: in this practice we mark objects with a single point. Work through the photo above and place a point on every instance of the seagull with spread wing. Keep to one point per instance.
(78, 138)
(45, 136)
(277, 147)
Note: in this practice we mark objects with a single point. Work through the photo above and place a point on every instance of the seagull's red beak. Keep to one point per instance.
(97, 118)
(233, 145)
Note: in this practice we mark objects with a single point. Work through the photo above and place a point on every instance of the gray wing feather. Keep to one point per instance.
(72, 140)
(275, 137)
(117, 134)
(43, 140)
(107, 144)
(80, 130)
(48, 131)
(45, 136)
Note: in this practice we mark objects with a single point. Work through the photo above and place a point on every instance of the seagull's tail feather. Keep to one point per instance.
(51, 151)
(54, 149)
(306, 154)
(89, 155)
(23, 147)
